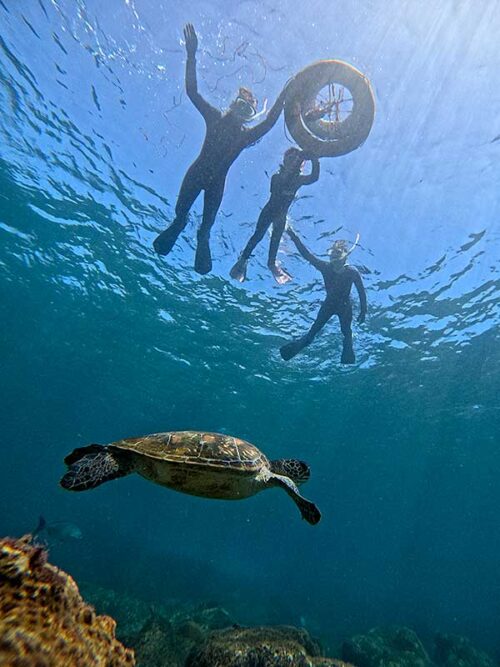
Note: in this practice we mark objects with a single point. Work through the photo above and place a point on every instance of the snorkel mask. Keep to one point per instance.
(340, 251)
(245, 106)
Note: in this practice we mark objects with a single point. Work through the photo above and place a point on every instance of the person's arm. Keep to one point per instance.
(207, 110)
(314, 175)
(358, 282)
(255, 133)
(306, 254)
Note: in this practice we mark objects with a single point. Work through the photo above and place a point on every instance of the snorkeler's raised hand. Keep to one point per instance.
(361, 318)
(190, 39)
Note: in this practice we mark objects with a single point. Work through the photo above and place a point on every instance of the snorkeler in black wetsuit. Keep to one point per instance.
(284, 186)
(226, 137)
(339, 279)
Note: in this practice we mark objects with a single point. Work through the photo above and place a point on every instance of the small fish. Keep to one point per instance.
(59, 531)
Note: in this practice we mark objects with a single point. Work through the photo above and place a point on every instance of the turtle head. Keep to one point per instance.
(298, 471)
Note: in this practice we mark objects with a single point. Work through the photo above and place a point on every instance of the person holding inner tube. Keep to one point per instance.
(284, 186)
(226, 137)
(339, 278)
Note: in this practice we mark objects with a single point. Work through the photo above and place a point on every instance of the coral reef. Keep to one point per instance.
(400, 647)
(454, 651)
(166, 641)
(386, 647)
(156, 645)
(173, 634)
(43, 619)
(279, 646)
(128, 611)
(208, 617)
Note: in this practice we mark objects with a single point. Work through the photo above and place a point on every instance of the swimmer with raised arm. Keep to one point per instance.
(284, 186)
(226, 137)
(339, 278)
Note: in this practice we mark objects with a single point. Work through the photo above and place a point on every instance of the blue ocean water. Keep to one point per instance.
(103, 339)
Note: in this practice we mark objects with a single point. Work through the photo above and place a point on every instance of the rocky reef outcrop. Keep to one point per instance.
(280, 646)
(400, 647)
(43, 618)
(165, 639)
(174, 634)
(156, 644)
(386, 647)
(454, 651)
(44, 621)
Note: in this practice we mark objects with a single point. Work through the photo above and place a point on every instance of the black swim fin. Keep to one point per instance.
(291, 349)
(165, 241)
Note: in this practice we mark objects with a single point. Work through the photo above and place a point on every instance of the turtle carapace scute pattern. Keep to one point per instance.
(192, 447)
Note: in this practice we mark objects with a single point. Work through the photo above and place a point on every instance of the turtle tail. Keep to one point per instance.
(91, 466)
(298, 471)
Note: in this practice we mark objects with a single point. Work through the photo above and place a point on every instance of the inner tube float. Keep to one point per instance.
(329, 136)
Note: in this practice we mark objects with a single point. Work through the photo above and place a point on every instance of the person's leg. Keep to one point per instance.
(211, 205)
(280, 275)
(190, 189)
(239, 270)
(345, 319)
(291, 349)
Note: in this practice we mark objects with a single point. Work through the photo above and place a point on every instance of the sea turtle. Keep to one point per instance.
(211, 465)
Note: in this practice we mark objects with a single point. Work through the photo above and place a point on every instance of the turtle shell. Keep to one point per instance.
(211, 450)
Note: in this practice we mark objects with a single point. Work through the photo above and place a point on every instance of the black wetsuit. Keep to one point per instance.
(284, 187)
(226, 137)
(338, 286)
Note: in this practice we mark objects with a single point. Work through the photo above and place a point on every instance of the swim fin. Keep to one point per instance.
(347, 355)
(291, 349)
(239, 270)
(203, 258)
(165, 241)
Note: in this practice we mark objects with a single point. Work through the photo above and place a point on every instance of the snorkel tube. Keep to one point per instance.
(353, 247)
(259, 114)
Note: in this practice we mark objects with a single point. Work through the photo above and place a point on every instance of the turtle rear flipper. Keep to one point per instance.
(308, 509)
(298, 471)
(91, 466)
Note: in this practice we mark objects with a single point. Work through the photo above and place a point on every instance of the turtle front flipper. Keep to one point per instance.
(91, 466)
(308, 509)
